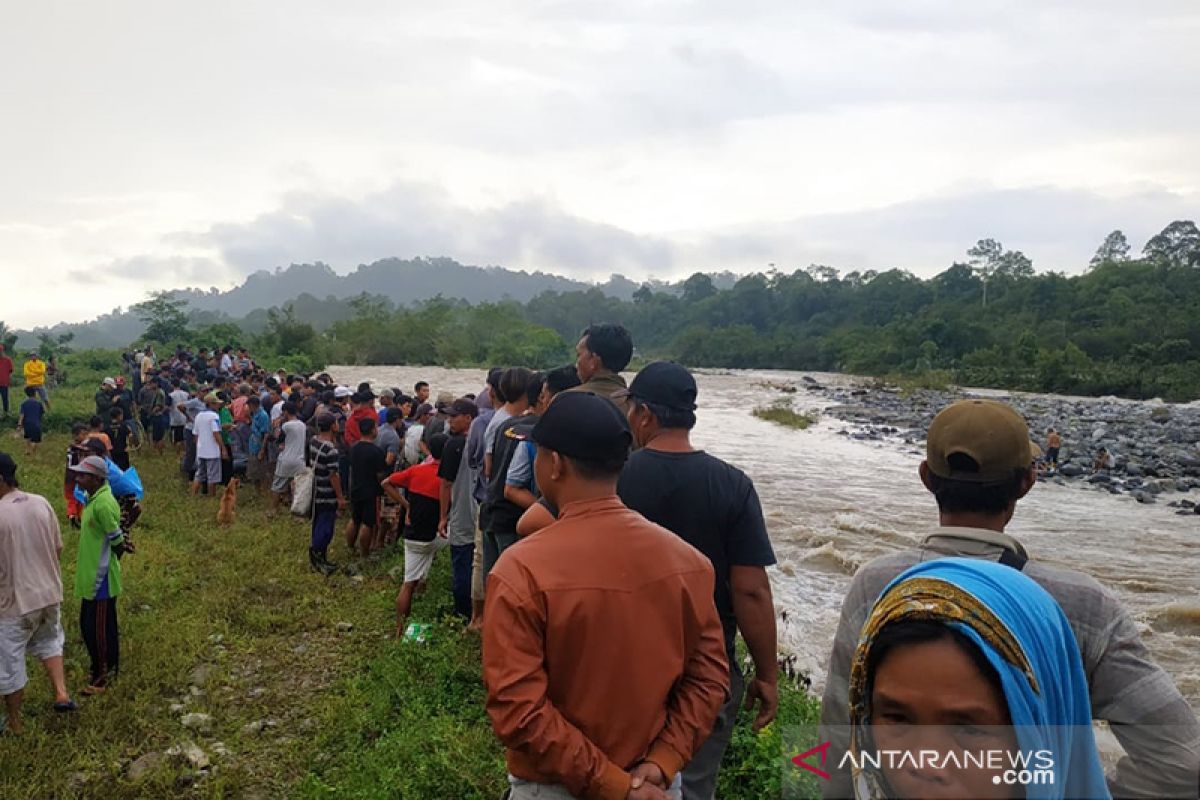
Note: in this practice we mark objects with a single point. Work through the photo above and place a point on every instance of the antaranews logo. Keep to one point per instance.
(973, 761)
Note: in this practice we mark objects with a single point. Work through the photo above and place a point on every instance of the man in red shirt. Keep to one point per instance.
(362, 405)
(423, 510)
(6, 371)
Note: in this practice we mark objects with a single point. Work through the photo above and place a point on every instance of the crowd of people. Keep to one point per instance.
(610, 566)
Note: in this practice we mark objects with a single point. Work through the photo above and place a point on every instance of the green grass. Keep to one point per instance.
(781, 413)
(348, 715)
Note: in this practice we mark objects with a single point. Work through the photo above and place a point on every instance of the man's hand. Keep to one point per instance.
(443, 527)
(647, 791)
(341, 504)
(767, 694)
(648, 772)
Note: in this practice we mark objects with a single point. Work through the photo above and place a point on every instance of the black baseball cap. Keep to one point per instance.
(584, 425)
(462, 406)
(663, 383)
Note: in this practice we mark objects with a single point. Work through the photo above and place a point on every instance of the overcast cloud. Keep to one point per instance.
(149, 145)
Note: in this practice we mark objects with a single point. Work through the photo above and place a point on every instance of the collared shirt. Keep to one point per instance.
(1148, 715)
(98, 571)
(606, 385)
(30, 541)
(601, 649)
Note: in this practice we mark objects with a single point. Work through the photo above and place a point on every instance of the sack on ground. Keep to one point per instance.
(302, 492)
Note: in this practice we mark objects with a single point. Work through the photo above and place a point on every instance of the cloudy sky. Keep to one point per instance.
(155, 145)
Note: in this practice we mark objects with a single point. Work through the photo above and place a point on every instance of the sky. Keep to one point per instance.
(150, 145)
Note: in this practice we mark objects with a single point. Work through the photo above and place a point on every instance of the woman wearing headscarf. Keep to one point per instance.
(984, 653)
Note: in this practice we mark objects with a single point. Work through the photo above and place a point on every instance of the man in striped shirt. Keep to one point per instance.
(328, 498)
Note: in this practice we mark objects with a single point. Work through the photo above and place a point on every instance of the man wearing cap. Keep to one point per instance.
(603, 350)
(459, 510)
(98, 572)
(714, 507)
(978, 466)
(6, 371)
(416, 435)
(104, 397)
(35, 376)
(210, 446)
(602, 649)
(30, 594)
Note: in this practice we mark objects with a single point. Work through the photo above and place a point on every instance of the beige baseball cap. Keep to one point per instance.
(991, 433)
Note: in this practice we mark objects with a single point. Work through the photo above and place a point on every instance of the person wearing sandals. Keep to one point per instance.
(30, 594)
(98, 573)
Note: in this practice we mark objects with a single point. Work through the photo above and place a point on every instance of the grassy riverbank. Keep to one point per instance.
(231, 623)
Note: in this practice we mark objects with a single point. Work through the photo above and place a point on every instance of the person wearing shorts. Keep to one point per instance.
(210, 447)
(30, 594)
(423, 506)
(291, 459)
(368, 465)
(30, 420)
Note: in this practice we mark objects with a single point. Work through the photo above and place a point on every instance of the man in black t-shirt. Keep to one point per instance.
(368, 466)
(118, 435)
(713, 507)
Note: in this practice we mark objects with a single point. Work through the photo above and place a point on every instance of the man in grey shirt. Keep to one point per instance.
(459, 510)
(388, 439)
(978, 466)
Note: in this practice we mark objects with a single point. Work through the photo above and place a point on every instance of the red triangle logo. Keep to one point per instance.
(823, 751)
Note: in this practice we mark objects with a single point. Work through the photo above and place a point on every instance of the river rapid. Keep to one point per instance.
(833, 502)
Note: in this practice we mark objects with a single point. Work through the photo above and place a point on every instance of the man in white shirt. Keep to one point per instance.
(291, 459)
(210, 447)
(30, 594)
(179, 418)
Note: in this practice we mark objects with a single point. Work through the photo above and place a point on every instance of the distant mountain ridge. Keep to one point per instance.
(402, 281)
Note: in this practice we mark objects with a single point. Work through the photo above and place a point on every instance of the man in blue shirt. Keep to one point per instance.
(260, 429)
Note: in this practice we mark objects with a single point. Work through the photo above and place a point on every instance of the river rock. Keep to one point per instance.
(201, 723)
(1070, 470)
(1099, 477)
(147, 763)
(200, 674)
(191, 753)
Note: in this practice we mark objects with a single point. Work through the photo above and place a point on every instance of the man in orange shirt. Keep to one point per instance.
(603, 653)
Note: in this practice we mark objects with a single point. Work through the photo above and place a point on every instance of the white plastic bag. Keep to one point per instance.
(302, 492)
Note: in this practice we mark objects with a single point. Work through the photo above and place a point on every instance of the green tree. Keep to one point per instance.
(1114, 249)
(8, 337)
(984, 257)
(165, 317)
(1178, 245)
(698, 287)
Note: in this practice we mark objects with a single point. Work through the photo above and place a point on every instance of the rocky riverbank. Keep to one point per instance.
(1156, 446)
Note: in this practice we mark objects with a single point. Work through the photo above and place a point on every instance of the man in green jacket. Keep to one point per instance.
(98, 572)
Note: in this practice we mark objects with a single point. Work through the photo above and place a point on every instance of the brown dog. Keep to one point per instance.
(227, 513)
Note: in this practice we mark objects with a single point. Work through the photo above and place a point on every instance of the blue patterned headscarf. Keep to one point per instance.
(1025, 637)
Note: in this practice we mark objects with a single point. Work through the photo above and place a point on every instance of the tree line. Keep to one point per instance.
(1127, 326)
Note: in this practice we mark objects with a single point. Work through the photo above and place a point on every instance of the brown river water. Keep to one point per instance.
(832, 503)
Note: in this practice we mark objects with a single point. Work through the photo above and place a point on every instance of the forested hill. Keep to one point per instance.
(1129, 327)
(316, 288)
(1124, 327)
